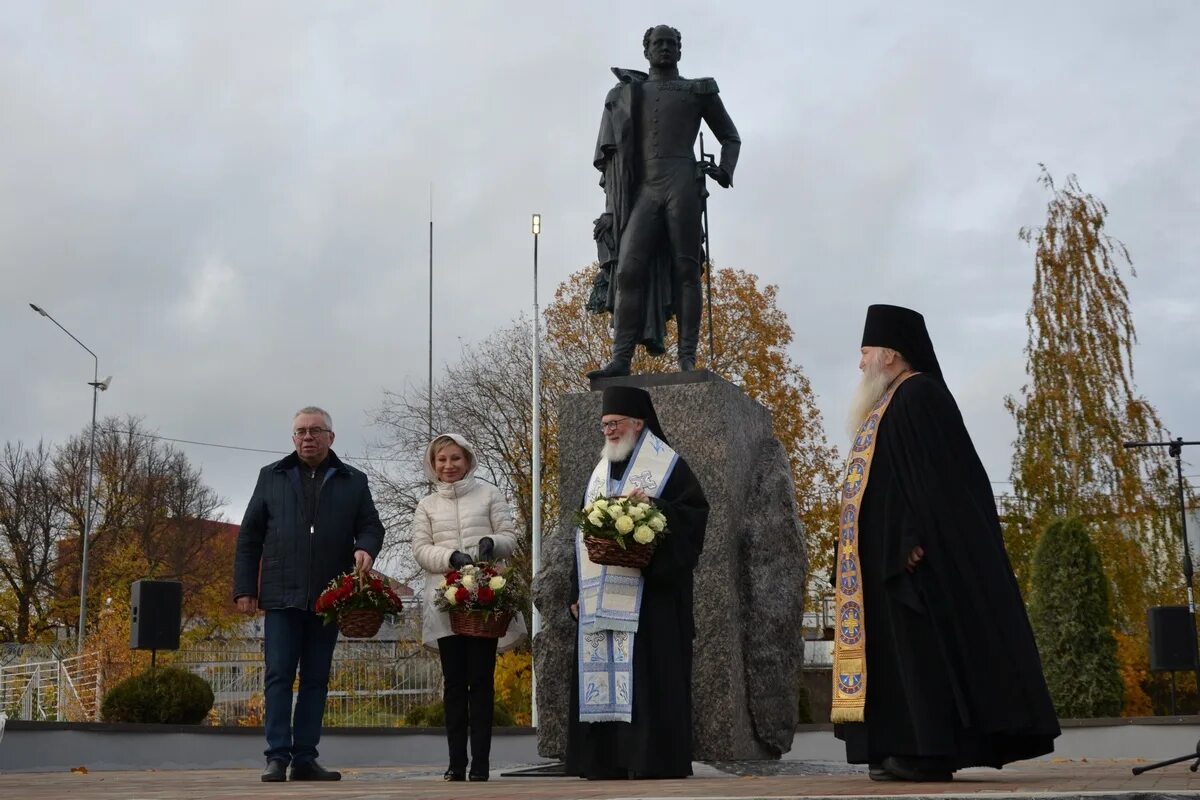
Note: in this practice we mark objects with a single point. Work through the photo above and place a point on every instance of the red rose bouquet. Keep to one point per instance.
(358, 602)
(480, 599)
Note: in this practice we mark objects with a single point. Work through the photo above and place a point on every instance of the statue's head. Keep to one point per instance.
(663, 46)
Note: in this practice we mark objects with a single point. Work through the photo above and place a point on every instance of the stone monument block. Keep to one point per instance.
(748, 589)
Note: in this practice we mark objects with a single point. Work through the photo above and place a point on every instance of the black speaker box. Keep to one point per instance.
(1172, 638)
(155, 609)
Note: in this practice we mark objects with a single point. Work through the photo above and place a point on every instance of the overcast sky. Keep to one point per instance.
(229, 202)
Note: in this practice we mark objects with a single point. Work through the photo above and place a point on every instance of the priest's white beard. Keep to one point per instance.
(870, 389)
(620, 450)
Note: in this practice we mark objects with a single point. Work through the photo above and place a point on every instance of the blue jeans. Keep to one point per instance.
(295, 638)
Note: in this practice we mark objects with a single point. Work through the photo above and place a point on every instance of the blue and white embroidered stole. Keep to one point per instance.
(610, 598)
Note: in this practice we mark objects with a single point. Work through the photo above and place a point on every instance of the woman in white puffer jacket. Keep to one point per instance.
(463, 520)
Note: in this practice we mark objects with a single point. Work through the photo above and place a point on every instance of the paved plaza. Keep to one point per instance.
(1043, 779)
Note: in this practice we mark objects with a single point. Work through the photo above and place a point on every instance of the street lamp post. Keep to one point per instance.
(536, 478)
(97, 387)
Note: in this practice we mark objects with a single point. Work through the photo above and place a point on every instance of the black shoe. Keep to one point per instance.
(454, 775)
(876, 772)
(687, 364)
(908, 769)
(312, 771)
(275, 772)
(613, 369)
(477, 776)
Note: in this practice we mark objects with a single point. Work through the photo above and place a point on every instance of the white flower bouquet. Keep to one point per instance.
(621, 532)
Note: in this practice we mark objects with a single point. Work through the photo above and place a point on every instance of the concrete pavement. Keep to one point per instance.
(1040, 779)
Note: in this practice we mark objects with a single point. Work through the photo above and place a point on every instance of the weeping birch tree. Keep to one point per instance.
(1080, 404)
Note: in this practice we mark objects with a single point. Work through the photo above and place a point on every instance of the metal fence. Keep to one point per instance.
(65, 689)
(373, 683)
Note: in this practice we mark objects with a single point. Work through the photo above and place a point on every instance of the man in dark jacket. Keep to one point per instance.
(310, 519)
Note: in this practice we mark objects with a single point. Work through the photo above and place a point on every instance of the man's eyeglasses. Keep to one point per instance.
(300, 433)
(612, 424)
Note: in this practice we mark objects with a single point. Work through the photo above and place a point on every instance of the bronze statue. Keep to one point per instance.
(649, 237)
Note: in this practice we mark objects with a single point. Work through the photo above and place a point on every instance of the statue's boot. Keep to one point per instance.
(627, 322)
(688, 319)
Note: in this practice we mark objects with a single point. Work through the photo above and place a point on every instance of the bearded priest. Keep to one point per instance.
(631, 711)
(935, 666)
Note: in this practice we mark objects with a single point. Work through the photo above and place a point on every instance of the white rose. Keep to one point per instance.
(624, 524)
(596, 518)
(588, 509)
(636, 513)
(615, 511)
(643, 506)
(497, 583)
(468, 581)
(601, 504)
(449, 595)
(658, 523)
(643, 534)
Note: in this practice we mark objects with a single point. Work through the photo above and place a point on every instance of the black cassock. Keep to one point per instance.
(953, 673)
(658, 742)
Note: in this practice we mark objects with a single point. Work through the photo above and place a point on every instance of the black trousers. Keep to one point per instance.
(468, 672)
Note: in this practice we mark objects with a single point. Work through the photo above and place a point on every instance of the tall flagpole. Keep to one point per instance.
(536, 477)
(429, 392)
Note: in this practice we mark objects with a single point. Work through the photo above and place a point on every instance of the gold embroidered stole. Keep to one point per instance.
(850, 638)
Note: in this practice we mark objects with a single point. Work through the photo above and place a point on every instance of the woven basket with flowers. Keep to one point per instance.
(621, 532)
(358, 603)
(480, 600)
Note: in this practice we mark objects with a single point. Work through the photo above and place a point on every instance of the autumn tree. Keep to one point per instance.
(31, 522)
(1079, 405)
(153, 518)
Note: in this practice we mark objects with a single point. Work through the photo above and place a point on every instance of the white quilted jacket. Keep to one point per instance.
(455, 517)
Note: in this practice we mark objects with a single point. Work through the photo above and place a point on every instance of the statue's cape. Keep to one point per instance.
(626, 75)
(616, 157)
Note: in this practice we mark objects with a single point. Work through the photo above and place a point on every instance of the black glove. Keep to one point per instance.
(459, 559)
(486, 548)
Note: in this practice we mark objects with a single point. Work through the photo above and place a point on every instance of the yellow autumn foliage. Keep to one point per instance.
(514, 684)
(1135, 670)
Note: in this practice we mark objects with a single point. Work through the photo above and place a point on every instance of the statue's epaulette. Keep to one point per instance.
(704, 86)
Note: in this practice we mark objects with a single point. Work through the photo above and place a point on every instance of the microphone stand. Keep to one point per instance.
(1175, 450)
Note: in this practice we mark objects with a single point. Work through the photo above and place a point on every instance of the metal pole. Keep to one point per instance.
(1176, 450)
(429, 393)
(536, 476)
(87, 511)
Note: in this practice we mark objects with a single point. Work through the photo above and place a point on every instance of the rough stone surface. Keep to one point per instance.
(773, 554)
(748, 610)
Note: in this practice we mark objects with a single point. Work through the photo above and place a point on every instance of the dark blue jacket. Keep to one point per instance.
(298, 559)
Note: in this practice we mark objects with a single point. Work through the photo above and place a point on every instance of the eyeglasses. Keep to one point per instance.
(612, 424)
(300, 433)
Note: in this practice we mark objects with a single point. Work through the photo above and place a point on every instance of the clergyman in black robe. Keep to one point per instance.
(657, 743)
(953, 677)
